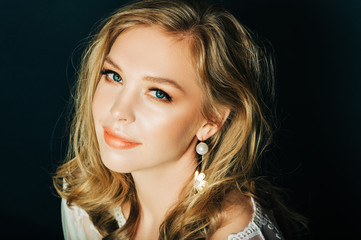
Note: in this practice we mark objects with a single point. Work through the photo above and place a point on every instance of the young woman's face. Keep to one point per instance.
(147, 105)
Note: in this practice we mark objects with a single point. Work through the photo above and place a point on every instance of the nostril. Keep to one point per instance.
(122, 111)
(118, 114)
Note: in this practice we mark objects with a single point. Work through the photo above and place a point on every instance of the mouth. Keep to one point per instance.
(117, 141)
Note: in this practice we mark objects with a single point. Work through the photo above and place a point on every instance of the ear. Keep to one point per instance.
(209, 128)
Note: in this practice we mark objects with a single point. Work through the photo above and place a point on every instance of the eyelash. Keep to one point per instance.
(107, 72)
(165, 98)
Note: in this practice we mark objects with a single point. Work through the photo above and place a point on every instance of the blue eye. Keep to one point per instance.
(116, 77)
(161, 95)
(111, 75)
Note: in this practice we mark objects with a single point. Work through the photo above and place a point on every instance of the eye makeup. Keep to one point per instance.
(156, 93)
(112, 76)
(161, 95)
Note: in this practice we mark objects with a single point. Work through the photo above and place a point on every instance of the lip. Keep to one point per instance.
(117, 141)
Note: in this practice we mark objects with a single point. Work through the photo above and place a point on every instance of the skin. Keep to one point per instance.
(130, 101)
(165, 130)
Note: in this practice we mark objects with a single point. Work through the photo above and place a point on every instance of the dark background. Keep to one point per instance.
(318, 64)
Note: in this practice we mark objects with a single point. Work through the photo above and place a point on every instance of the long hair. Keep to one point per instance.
(235, 73)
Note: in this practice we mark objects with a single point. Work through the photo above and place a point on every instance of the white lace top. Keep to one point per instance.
(78, 226)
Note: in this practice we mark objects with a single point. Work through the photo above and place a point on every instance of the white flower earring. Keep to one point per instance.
(199, 182)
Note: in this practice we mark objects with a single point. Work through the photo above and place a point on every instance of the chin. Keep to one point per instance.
(117, 163)
(118, 167)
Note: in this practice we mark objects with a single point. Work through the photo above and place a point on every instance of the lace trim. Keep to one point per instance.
(263, 220)
(254, 227)
(250, 231)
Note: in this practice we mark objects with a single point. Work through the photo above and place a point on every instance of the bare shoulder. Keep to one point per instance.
(236, 216)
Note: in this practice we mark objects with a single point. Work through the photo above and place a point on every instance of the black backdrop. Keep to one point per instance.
(318, 55)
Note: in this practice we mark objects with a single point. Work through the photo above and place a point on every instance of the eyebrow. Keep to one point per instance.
(164, 81)
(149, 78)
(111, 62)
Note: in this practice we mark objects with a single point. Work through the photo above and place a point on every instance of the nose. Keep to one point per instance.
(123, 107)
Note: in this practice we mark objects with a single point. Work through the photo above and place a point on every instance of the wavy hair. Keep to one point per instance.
(235, 72)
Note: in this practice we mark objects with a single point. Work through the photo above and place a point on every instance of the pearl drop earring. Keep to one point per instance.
(199, 182)
(202, 148)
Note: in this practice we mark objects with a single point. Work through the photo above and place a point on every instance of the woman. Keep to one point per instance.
(170, 123)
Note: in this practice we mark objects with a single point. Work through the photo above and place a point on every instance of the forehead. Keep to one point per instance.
(150, 50)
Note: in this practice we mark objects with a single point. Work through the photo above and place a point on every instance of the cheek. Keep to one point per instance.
(174, 129)
(101, 103)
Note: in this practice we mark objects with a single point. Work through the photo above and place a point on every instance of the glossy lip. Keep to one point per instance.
(117, 141)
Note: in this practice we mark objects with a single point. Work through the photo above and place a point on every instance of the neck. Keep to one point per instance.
(159, 188)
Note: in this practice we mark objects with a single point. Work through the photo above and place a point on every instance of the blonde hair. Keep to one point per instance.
(234, 72)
